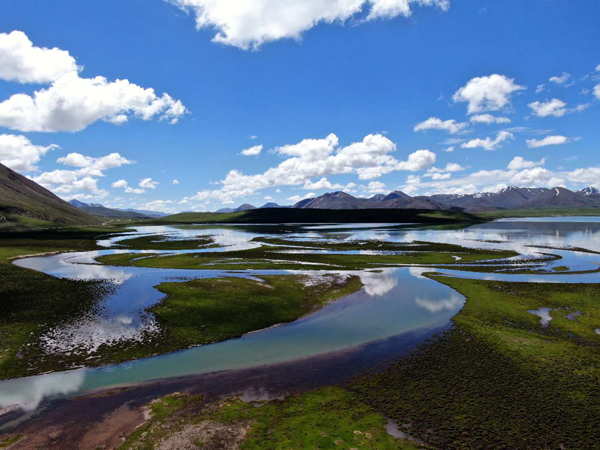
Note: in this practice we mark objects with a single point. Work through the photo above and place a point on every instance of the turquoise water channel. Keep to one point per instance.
(393, 301)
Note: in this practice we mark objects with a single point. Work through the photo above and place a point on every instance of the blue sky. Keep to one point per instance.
(337, 93)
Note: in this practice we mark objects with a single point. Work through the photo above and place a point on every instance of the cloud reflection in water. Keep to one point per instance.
(38, 388)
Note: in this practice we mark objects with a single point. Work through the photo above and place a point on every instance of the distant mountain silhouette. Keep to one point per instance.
(244, 207)
(102, 211)
(511, 197)
(514, 197)
(395, 200)
(273, 205)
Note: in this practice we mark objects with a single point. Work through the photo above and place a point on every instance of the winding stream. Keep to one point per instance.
(393, 302)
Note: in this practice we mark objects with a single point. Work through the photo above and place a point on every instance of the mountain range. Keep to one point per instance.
(249, 207)
(394, 200)
(100, 210)
(511, 197)
(25, 203)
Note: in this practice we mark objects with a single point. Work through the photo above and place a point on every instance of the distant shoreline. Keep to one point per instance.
(315, 216)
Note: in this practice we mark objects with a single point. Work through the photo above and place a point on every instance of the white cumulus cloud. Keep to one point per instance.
(562, 79)
(93, 166)
(489, 119)
(548, 140)
(590, 176)
(252, 151)
(22, 62)
(419, 160)
(122, 184)
(519, 163)
(323, 183)
(81, 183)
(489, 143)
(72, 103)
(376, 187)
(450, 167)
(319, 158)
(554, 107)
(248, 24)
(18, 153)
(489, 93)
(64, 182)
(147, 183)
(434, 123)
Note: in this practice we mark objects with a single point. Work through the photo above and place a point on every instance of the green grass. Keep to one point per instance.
(31, 302)
(216, 309)
(329, 418)
(166, 416)
(499, 379)
(375, 245)
(542, 212)
(267, 257)
(10, 440)
(160, 242)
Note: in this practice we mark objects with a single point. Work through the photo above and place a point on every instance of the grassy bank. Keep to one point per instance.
(287, 256)
(160, 242)
(216, 309)
(193, 313)
(31, 302)
(500, 379)
(329, 418)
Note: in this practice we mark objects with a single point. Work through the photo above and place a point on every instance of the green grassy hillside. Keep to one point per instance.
(24, 203)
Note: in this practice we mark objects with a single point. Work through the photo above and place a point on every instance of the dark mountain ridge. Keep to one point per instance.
(24, 202)
(511, 197)
(394, 200)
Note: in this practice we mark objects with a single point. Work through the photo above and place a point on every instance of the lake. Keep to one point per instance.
(393, 303)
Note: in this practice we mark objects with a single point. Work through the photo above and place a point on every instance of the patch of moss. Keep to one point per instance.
(328, 418)
(164, 417)
(10, 440)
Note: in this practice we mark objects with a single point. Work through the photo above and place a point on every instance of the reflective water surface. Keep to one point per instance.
(394, 301)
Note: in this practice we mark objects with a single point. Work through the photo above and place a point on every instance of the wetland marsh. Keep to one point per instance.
(183, 301)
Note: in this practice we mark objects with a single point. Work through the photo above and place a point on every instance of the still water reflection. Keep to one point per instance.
(392, 302)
